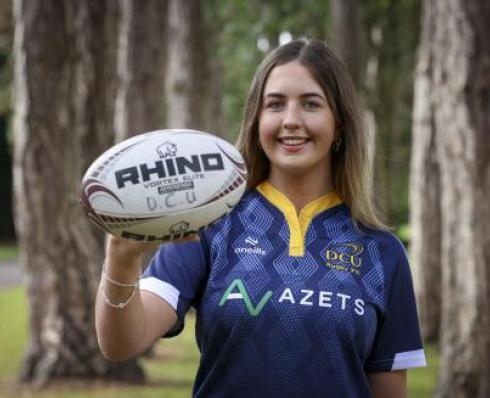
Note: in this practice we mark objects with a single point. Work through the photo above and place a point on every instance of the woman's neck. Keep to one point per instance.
(301, 190)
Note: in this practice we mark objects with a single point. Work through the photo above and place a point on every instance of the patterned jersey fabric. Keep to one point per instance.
(291, 305)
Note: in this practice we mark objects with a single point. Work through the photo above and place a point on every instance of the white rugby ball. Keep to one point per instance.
(163, 185)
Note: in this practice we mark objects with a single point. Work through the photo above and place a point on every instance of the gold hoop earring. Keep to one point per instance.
(336, 145)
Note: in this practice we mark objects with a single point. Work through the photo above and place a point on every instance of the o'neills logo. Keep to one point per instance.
(169, 167)
(252, 246)
(345, 257)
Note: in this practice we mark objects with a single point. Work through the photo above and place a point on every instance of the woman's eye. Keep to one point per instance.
(273, 104)
(311, 104)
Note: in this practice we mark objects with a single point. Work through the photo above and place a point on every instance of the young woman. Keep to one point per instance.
(300, 291)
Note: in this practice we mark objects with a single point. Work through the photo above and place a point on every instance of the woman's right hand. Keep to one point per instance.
(128, 320)
(134, 248)
(124, 248)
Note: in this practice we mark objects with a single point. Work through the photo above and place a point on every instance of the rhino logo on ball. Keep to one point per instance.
(167, 149)
(179, 228)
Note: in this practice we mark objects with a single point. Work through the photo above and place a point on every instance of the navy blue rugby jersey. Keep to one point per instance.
(291, 305)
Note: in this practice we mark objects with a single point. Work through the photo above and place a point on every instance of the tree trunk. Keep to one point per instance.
(425, 198)
(187, 67)
(141, 67)
(459, 54)
(347, 36)
(140, 100)
(212, 57)
(393, 38)
(213, 118)
(64, 95)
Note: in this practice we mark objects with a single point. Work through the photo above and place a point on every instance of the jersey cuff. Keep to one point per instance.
(162, 289)
(409, 359)
(402, 361)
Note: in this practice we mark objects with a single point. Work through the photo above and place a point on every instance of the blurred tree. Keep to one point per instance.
(213, 117)
(425, 195)
(347, 36)
(65, 57)
(141, 64)
(141, 67)
(392, 28)
(6, 216)
(454, 76)
(187, 68)
(7, 233)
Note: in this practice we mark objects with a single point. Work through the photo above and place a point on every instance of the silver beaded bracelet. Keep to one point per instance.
(122, 304)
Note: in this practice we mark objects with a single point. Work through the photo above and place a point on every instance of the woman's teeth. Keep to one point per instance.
(293, 141)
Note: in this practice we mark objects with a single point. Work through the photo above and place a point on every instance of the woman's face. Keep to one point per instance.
(296, 124)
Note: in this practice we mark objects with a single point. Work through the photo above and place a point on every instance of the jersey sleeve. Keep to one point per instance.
(398, 344)
(177, 273)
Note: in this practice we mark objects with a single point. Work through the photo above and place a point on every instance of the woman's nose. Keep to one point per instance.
(292, 118)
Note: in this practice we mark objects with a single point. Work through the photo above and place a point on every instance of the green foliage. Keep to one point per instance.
(171, 372)
(393, 34)
(238, 25)
(403, 232)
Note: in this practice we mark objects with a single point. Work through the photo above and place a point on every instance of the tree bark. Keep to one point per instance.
(140, 100)
(64, 98)
(459, 54)
(425, 205)
(141, 67)
(347, 36)
(212, 116)
(187, 69)
(212, 57)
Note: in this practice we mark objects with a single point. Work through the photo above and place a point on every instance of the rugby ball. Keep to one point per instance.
(163, 185)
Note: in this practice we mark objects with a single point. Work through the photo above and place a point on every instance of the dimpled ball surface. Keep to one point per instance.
(163, 185)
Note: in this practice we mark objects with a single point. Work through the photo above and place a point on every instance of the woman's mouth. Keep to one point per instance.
(292, 144)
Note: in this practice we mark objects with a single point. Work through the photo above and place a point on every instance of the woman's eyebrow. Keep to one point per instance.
(274, 94)
(304, 95)
(313, 94)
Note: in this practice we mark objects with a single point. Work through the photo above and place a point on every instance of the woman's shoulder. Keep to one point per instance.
(387, 241)
(384, 237)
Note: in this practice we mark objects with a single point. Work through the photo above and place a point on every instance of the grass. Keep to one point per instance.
(8, 251)
(171, 372)
(13, 330)
(422, 381)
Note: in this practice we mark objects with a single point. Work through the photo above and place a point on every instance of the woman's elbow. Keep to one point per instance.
(116, 353)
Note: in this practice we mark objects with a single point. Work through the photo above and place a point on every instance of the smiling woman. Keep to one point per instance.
(319, 72)
(299, 291)
(296, 131)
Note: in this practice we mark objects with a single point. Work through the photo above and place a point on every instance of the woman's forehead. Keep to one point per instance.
(291, 77)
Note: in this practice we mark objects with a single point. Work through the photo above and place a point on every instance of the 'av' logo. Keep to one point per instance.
(237, 291)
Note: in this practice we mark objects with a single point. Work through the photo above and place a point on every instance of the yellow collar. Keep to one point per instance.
(298, 224)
